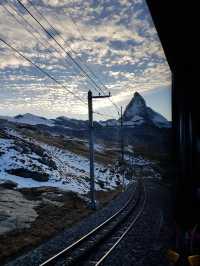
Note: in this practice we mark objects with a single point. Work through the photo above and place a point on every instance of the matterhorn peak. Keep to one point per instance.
(136, 94)
(136, 108)
(138, 99)
(137, 113)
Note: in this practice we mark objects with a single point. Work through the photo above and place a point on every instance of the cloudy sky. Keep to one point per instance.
(115, 39)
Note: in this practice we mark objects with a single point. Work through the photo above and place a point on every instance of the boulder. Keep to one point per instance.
(16, 212)
(38, 176)
(48, 161)
(8, 184)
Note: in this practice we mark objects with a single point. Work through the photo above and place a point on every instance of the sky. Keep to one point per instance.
(113, 39)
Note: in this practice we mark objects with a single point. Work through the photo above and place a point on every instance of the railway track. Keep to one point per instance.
(97, 245)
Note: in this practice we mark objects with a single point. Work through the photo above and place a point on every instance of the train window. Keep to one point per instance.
(87, 137)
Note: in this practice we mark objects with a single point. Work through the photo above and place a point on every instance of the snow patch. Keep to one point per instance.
(72, 171)
(30, 119)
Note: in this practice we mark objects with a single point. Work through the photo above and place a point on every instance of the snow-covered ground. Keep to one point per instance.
(72, 171)
(137, 160)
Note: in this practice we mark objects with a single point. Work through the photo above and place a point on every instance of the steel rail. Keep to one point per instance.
(108, 253)
(74, 245)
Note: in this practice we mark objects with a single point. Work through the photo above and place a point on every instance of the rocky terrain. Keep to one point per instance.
(28, 162)
(16, 211)
(144, 128)
(44, 170)
(28, 216)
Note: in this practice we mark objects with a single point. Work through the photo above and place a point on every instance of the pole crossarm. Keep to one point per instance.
(101, 96)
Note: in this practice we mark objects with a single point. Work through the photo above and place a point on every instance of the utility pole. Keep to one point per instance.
(91, 146)
(122, 148)
(122, 138)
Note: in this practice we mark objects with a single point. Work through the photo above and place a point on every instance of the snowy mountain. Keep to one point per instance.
(138, 113)
(29, 119)
(136, 110)
(35, 151)
(60, 122)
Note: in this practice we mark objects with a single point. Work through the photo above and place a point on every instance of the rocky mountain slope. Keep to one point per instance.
(136, 114)
(44, 169)
(33, 163)
(144, 129)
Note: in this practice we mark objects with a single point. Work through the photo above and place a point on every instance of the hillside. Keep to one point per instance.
(144, 129)
(44, 171)
(32, 163)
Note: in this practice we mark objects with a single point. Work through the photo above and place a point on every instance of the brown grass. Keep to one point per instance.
(51, 220)
(75, 146)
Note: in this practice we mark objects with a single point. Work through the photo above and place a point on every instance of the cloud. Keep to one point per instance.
(117, 40)
(12, 61)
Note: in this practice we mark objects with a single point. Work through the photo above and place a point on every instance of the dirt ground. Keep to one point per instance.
(53, 217)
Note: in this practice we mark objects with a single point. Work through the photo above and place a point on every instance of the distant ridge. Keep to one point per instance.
(136, 114)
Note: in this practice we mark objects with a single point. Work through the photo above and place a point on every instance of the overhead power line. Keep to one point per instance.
(83, 38)
(32, 33)
(72, 50)
(60, 36)
(41, 70)
(103, 115)
(48, 75)
(33, 30)
(30, 61)
(66, 52)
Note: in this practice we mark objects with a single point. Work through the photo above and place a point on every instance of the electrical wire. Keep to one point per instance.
(41, 70)
(35, 65)
(66, 52)
(48, 75)
(31, 33)
(58, 51)
(73, 51)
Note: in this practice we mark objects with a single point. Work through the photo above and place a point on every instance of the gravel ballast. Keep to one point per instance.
(66, 237)
(147, 242)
